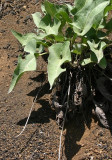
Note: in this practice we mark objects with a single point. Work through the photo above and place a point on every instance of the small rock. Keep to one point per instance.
(24, 7)
(91, 158)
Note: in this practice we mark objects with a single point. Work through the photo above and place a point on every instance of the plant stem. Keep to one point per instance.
(41, 54)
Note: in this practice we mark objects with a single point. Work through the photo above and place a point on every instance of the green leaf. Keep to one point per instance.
(70, 8)
(97, 49)
(93, 57)
(88, 13)
(50, 26)
(37, 18)
(107, 9)
(41, 36)
(58, 38)
(103, 63)
(109, 26)
(59, 54)
(101, 34)
(56, 11)
(43, 9)
(77, 48)
(30, 46)
(63, 16)
(79, 5)
(34, 46)
(24, 39)
(86, 61)
(59, 12)
(27, 64)
(50, 8)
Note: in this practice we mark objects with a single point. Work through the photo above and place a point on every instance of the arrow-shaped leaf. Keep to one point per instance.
(37, 18)
(59, 54)
(50, 26)
(24, 39)
(98, 51)
(27, 64)
(88, 13)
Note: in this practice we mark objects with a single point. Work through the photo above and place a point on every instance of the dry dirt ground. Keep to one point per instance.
(40, 140)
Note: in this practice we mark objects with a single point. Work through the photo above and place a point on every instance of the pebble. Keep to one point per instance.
(24, 7)
(100, 145)
(91, 158)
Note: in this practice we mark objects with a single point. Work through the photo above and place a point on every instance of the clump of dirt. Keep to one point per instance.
(82, 139)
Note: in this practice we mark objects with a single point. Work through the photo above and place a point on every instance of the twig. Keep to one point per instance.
(59, 155)
(30, 111)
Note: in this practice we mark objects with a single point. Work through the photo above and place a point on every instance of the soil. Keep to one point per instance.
(40, 140)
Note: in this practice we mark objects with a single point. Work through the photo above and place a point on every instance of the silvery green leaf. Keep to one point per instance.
(88, 13)
(43, 9)
(30, 46)
(59, 54)
(24, 39)
(97, 49)
(49, 26)
(70, 7)
(37, 18)
(86, 61)
(27, 64)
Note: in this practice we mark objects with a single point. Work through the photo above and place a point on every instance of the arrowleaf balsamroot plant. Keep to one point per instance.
(74, 36)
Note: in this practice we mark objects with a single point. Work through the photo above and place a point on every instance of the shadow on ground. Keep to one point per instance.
(75, 128)
(42, 115)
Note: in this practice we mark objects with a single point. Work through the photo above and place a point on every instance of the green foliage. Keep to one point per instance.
(88, 13)
(66, 30)
(27, 64)
(59, 54)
